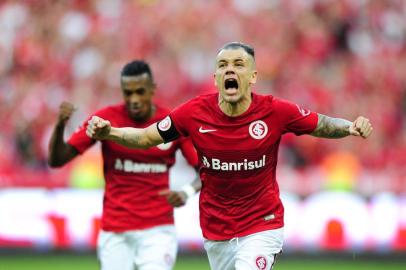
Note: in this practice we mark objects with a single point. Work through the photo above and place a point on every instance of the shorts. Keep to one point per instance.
(256, 251)
(149, 249)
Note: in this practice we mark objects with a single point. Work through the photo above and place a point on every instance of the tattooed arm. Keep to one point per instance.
(332, 128)
(100, 129)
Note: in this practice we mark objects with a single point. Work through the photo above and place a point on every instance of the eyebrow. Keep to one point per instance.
(133, 90)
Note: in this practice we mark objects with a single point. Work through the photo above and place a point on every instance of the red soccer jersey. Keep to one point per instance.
(237, 160)
(134, 176)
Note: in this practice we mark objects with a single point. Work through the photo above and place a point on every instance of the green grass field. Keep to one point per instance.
(88, 262)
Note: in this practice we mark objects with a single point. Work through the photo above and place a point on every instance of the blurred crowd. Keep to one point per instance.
(342, 58)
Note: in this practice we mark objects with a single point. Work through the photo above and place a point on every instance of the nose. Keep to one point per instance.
(134, 99)
(229, 72)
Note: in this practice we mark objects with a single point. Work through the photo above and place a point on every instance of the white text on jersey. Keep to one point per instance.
(129, 166)
(245, 165)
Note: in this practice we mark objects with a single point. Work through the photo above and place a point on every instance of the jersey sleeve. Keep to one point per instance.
(180, 118)
(176, 123)
(188, 151)
(79, 140)
(294, 118)
(167, 129)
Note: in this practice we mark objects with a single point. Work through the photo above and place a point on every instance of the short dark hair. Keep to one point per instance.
(137, 67)
(237, 45)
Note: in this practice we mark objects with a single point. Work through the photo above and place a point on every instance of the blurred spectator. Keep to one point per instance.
(336, 56)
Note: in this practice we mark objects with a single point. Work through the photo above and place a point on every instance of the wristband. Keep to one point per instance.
(189, 190)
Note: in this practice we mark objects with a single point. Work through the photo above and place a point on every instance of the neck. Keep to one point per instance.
(150, 114)
(237, 108)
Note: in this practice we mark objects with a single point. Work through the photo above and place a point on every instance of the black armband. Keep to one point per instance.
(167, 130)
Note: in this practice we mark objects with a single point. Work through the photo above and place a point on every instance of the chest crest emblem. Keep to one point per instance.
(258, 129)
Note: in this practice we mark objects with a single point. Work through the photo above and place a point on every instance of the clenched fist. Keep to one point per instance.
(65, 112)
(98, 128)
(361, 127)
(175, 198)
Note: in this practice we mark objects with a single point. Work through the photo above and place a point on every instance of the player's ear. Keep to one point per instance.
(153, 87)
(254, 76)
(214, 77)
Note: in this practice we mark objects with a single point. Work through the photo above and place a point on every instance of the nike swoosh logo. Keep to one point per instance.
(201, 130)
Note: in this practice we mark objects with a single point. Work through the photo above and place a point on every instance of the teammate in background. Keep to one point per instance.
(236, 134)
(137, 221)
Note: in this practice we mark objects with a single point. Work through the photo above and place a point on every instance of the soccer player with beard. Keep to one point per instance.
(137, 222)
(236, 133)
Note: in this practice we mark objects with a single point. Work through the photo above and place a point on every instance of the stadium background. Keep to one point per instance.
(345, 200)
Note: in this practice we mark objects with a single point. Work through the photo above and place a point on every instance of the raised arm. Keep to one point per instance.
(100, 129)
(60, 152)
(333, 128)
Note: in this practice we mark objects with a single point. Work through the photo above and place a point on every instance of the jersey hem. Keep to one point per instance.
(120, 230)
(213, 237)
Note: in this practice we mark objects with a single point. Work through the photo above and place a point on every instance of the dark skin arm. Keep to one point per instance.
(59, 152)
(334, 128)
(179, 198)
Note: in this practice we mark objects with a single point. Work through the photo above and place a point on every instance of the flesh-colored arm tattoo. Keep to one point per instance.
(135, 137)
(100, 129)
(331, 128)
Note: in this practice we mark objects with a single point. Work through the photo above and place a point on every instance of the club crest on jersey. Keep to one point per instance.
(164, 146)
(261, 262)
(303, 111)
(165, 124)
(258, 129)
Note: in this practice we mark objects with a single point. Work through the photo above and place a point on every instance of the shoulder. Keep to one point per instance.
(191, 110)
(204, 99)
(263, 100)
(274, 104)
(161, 110)
(210, 96)
(160, 113)
(199, 101)
(279, 103)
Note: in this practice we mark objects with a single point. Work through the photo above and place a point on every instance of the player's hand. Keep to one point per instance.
(361, 127)
(98, 128)
(66, 110)
(175, 198)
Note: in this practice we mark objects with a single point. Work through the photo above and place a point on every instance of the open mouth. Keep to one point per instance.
(230, 84)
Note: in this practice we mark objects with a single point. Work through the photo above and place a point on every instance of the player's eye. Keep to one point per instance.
(221, 64)
(140, 91)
